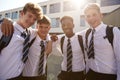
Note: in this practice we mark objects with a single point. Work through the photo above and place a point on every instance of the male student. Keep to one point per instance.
(73, 65)
(11, 57)
(35, 67)
(103, 57)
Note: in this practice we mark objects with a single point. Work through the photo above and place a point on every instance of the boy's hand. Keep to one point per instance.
(54, 37)
(7, 27)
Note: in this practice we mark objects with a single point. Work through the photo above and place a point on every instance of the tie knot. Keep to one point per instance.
(93, 31)
(42, 43)
(24, 34)
(68, 40)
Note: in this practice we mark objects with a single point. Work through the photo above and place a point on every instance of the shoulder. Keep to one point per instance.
(116, 30)
(33, 32)
(83, 32)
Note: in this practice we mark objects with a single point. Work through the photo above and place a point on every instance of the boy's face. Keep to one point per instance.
(67, 26)
(27, 19)
(43, 29)
(93, 17)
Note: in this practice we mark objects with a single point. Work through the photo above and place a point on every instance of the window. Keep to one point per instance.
(54, 8)
(68, 6)
(110, 2)
(7, 15)
(82, 21)
(44, 8)
(55, 22)
(14, 15)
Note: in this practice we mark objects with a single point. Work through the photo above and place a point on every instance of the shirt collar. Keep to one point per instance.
(72, 38)
(18, 27)
(98, 27)
(39, 39)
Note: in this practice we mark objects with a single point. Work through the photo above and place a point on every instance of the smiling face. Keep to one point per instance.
(27, 19)
(43, 30)
(43, 26)
(67, 26)
(30, 13)
(93, 15)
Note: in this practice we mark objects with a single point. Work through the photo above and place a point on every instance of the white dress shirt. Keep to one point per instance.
(78, 59)
(116, 44)
(11, 64)
(31, 66)
(105, 60)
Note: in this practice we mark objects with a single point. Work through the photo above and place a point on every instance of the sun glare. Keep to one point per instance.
(78, 3)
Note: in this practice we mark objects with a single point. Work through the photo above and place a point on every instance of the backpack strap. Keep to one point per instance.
(61, 43)
(119, 28)
(109, 34)
(4, 41)
(86, 36)
(80, 39)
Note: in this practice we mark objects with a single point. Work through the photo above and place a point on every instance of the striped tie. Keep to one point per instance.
(91, 46)
(41, 61)
(25, 46)
(69, 56)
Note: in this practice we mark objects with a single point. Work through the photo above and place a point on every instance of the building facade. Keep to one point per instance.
(55, 9)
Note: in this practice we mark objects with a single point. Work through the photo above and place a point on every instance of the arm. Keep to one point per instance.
(48, 49)
(7, 27)
(52, 43)
(116, 46)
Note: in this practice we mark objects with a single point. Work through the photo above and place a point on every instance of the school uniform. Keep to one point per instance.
(78, 64)
(11, 64)
(30, 71)
(103, 66)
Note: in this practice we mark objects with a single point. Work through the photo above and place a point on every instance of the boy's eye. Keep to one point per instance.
(40, 26)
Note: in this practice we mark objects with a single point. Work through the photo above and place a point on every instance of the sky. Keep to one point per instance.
(11, 4)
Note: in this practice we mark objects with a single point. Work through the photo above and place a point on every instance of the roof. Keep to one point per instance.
(109, 9)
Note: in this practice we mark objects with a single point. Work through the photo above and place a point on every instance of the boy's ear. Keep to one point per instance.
(37, 26)
(101, 15)
(73, 25)
(49, 27)
(21, 13)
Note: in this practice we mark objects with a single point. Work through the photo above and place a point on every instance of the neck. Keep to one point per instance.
(70, 35)
(94, 26)
(20, 23)
(42, 37)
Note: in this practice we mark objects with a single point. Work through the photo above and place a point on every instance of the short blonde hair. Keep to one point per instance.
(92, 6)
(33, 8)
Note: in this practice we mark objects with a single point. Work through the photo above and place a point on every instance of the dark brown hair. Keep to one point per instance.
(66, 17)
